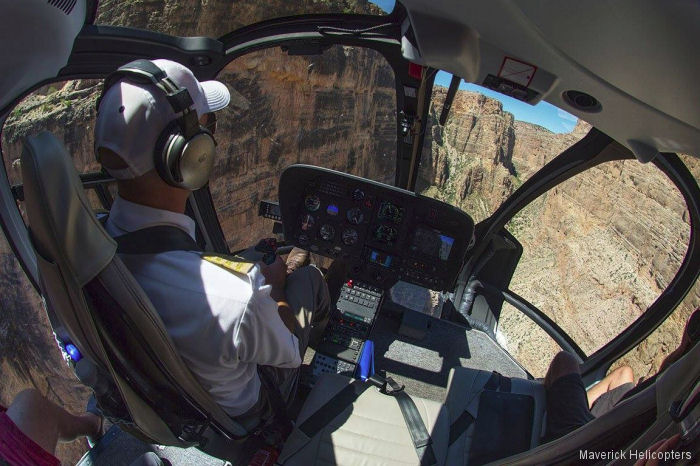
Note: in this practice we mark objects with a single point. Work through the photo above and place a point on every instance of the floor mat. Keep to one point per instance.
(424, 365)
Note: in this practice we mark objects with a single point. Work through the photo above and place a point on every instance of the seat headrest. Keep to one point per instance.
(63, 226)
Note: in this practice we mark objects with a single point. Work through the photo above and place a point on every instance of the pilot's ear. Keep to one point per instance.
(110, 159)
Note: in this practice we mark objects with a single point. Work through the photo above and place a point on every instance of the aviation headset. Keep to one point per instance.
(184, 151)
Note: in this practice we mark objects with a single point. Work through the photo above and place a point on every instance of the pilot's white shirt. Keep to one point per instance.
(222, 324)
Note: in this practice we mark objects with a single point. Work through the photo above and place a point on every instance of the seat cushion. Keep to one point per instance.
(369, 431)
(464, 388)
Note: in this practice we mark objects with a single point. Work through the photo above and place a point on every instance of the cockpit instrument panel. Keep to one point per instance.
(385, 233)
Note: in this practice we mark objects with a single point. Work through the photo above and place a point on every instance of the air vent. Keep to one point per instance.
(582, 101)
(65, 6)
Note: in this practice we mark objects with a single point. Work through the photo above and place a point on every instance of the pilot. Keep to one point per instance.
(241, 328)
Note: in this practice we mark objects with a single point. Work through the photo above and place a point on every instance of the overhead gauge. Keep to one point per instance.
(312, 202)
(350, 236)
(358, 194)
(307, 222)
(326, 232)
(355, 216)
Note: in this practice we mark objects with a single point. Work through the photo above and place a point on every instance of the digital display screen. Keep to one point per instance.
(380, 258)
(332, 209)
(432, 243)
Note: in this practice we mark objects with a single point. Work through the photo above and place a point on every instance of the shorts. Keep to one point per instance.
(18, 449)
(567, 407)
(609, 399)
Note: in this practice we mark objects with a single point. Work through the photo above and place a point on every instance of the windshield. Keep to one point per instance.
(214, 18)
(598, 249)
(335, 110)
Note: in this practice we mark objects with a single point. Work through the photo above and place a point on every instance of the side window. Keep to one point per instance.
(526, 341)
(66, 109)
(646, 358)
(599, 248)
(336, 110)
(29, 352)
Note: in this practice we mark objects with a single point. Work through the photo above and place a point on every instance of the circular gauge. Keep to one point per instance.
(355, 216)
(307, 222)
(326, 232)
(358, 194)
(350, 236)
(386, 234)
(303, 239)
(312, 202)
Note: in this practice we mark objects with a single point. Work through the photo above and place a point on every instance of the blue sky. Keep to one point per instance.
(386, 5)
(543, 114)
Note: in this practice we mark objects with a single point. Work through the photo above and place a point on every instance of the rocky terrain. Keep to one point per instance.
(598, 249)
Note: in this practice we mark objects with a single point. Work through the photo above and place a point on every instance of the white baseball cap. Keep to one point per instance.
(132, 116)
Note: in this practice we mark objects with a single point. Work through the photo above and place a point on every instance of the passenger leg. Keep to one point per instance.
(620, 376)
(567, 405)
(46, 423)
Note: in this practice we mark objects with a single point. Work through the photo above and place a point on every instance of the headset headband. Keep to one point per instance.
(146, 72)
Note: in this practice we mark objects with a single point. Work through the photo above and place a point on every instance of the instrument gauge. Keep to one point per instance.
(303, 239)
(355, 216)
(312, 202)
(358, 194)
(350, 236)
(326, 232)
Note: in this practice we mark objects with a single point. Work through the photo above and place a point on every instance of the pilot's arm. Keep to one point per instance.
(276, 276)
(264, 336)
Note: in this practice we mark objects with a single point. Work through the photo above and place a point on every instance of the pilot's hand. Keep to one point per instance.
(275, 275)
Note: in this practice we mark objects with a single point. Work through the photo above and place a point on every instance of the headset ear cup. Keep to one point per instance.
(167, 153)
(197, 161)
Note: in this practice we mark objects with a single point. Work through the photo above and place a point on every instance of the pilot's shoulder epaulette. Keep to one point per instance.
(233, 264)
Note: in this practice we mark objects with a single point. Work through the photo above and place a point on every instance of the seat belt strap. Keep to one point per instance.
(460, 426)
(414, 423)
(155, 240)
(333, 407)
(495, 382)
(419, 434)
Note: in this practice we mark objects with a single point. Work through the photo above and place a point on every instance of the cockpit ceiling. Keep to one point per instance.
(638, 58)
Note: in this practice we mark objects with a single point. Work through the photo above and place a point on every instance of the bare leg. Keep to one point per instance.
(46, 423)
(619, 376)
